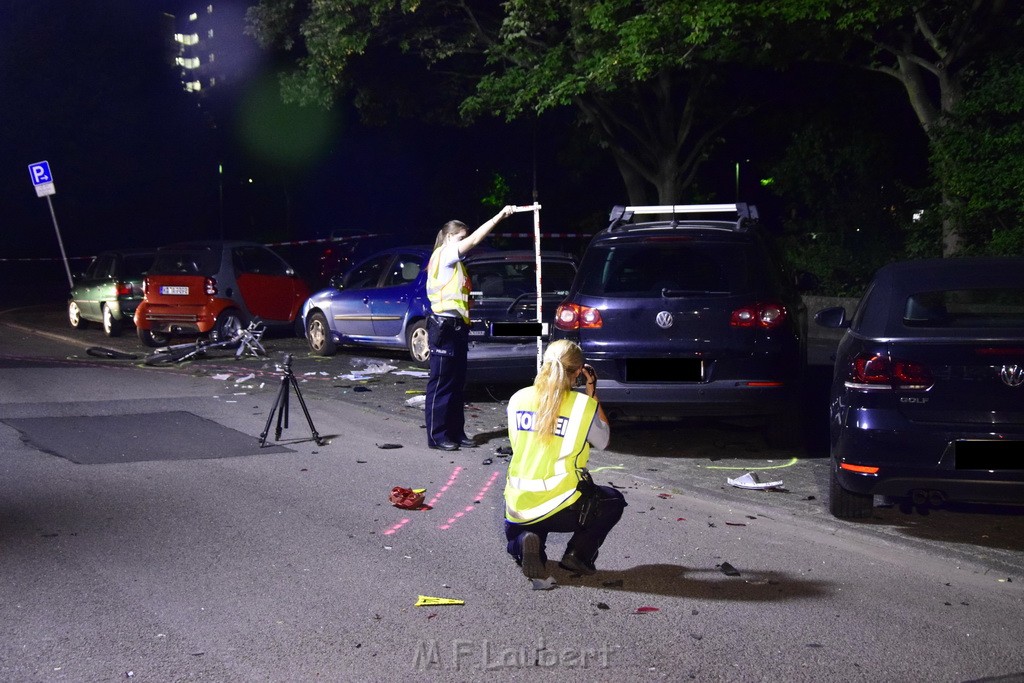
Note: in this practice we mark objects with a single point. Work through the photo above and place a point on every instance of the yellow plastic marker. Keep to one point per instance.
(427, 601)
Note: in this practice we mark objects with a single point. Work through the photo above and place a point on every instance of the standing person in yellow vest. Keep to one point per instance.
(448, 332)
(548, 488)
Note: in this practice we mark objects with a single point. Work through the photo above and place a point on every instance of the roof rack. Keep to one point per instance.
(747, 213)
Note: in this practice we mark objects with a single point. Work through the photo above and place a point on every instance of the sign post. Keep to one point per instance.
(42, 180)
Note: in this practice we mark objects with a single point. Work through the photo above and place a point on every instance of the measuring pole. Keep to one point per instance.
(535, 207)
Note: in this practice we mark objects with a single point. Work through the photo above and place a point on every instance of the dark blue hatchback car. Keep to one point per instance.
(689, 318)
(382, 302)
(927, 401)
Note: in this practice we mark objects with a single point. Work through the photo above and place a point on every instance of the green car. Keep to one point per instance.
(110, 290)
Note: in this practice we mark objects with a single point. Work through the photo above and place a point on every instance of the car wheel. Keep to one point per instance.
(228, 324)
(152, 339)
(416, 339)
(847, 504)
(75, 316)
(111, 326)
(318, 334)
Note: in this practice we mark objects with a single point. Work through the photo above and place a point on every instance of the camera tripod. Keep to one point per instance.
(281, 407)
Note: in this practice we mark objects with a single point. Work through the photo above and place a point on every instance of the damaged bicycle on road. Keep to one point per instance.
(245, 341)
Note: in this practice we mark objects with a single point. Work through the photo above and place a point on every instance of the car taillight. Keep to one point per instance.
(210, 286)
(765, 316)
(124, 288)
(869, 371)
(145, 286)
(574, 317)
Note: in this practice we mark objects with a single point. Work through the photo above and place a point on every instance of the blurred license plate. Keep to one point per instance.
(176, 290)
(664, 370)
(989, 455)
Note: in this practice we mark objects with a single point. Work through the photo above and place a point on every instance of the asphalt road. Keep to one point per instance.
(187, 552)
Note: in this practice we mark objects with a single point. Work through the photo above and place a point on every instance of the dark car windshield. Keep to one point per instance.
(984, 308)
(186, 262)
(645, 269)
(510, 280)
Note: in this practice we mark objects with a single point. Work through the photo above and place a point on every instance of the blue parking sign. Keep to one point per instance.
(42, 179)
(40, 172)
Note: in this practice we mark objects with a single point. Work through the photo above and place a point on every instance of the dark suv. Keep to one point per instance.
(689, 318)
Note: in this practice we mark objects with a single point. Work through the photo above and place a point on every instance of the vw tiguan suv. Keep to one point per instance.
(689, 317)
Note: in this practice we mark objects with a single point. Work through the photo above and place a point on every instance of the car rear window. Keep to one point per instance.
(136, 265)
(682, 268)
(983, 308)
(511, 280)
(186, 262)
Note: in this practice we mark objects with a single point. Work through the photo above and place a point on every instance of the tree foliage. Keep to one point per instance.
(981, 146)
(933, 47)
(656, 82)
(645, 78)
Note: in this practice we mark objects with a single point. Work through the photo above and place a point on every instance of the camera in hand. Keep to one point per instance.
(584, 376)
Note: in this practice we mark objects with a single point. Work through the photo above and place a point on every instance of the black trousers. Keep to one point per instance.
(586, 539)
(444, 409)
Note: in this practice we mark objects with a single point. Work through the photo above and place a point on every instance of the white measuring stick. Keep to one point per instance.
(535, 207)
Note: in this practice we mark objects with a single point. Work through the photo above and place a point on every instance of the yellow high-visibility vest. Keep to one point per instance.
(452, 295)
(542, 476)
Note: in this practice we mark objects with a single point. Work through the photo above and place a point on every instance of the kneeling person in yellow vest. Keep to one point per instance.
(547, 488)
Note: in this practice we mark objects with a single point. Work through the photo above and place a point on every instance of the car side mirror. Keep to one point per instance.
(834, 317)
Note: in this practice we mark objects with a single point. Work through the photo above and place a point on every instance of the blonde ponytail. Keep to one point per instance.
(562, 362)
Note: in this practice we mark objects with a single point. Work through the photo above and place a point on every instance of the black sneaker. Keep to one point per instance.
(532, 565)
(574, 564)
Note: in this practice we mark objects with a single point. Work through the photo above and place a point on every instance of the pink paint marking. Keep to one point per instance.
(397, 527)
(469, 508)
(447, 485)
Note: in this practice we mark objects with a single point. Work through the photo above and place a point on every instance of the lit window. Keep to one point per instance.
(212, 58)
(193, 16)
(209, 34)
(209, 9)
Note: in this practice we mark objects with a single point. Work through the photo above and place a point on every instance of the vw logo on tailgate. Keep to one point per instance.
(1012, 375)
(664, 320)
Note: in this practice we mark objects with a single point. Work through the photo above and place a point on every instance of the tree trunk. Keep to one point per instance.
(636, 185)
(659, 140)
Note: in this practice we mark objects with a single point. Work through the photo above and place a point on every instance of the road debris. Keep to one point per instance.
(407, 499)
(751, 481)
(427, 601)
(544, 584)
(728, 569)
